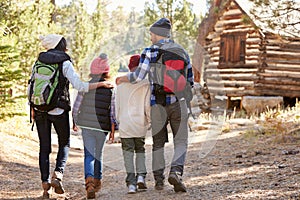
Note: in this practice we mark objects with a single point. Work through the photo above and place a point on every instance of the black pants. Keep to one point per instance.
(61, 125)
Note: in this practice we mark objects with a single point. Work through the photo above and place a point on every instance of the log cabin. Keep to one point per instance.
(237, 55)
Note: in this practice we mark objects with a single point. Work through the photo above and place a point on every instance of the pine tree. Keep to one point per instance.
(21, 24)
(9, 75)
(82, 39)
(86, 35)
(98, 20)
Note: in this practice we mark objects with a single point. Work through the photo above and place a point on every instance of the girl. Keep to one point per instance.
(92, 113)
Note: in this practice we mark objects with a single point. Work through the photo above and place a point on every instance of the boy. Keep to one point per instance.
(132, 107)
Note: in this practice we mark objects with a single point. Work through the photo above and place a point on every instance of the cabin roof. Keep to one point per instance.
(291, 31)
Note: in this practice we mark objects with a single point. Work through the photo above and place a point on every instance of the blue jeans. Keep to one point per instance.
(177, 115)
(93, 147)
(131, 146)
(61, 125)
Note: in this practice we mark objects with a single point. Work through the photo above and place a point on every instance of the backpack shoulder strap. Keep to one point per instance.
(60, 70)
(32, 72)
(61, 77)
(175, 49)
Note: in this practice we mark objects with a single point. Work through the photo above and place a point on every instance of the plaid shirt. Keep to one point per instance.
(113, 109)
(149, 55)
(76, 106)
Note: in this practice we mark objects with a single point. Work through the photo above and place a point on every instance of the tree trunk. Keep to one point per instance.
(53, 15)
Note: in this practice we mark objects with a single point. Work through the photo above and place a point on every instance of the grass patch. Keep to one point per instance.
(14, 120)
(17, 126)
(282, 125)
(17, 107)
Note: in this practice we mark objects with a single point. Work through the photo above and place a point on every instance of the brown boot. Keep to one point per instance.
(56, 182)
(46, 186)
(97, 183)
(90, 188)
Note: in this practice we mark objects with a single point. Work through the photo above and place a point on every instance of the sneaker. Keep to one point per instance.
(175, 180)
(141, 183)
(131, 189)
(159, 185)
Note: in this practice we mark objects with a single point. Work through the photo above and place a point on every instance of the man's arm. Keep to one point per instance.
(141, 71)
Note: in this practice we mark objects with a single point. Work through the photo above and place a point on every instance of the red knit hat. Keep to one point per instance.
(99, 66)
(134, 61)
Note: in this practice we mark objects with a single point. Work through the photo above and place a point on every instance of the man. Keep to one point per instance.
(171, 109)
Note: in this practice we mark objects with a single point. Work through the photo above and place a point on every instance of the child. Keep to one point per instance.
(92, 113)
(132, 109)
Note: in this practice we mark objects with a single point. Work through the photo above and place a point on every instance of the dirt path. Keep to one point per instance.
(236, 167)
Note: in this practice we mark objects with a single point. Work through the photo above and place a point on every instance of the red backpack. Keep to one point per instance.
(170, 69)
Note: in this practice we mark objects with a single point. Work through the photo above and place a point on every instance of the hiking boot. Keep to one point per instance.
(97, 184)
(159, 185)
(46, 186)
(56, 182)
(90, 188)
(131, 189)
(175, 180)
(141, 183)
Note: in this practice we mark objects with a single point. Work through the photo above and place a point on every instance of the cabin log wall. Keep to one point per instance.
(280, 74)
(271, 66)
(232, 79)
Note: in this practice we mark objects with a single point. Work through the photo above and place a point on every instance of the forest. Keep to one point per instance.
(231, 154)
(118, 33)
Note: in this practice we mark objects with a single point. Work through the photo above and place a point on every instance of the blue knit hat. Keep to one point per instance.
(161, 27)
(103, 56)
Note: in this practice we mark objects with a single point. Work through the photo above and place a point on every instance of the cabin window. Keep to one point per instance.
(232, 48)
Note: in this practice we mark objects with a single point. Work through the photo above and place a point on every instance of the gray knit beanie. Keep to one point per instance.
(161, 27)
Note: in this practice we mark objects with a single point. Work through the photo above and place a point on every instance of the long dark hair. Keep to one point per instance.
(62, 45)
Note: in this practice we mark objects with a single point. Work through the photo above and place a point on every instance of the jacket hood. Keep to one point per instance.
(53, 56)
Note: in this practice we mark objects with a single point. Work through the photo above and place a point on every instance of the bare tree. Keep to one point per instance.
(278, 15)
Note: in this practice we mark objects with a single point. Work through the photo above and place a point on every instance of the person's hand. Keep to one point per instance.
(112, 134)
(106, 84)
(75, 128)
(32, 114)
(118, 80)
(121, 79)
(111, 138)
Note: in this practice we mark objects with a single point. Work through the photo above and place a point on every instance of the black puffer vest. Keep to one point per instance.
(94, 110)
(54, 56)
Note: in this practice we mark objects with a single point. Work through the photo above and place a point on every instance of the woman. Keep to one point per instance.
(56, 47)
